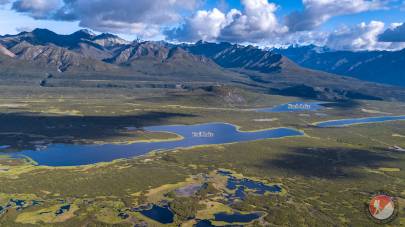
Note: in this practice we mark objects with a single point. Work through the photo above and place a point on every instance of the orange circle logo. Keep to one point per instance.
(382, 208)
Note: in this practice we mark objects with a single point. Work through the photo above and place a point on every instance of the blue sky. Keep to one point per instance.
(262, 22)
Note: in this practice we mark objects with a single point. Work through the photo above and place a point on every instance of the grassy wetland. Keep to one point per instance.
(326, 176)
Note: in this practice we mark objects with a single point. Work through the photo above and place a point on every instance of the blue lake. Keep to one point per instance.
(294, 107)
(193, 135)
(354, 121)
(159, 214)
(236, 217)
(240, 186)
(204, 223)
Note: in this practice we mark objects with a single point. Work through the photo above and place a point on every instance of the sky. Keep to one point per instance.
(339, 24)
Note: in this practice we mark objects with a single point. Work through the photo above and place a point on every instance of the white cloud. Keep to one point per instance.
(24, 29)
(256, 22)
(361, 37)
(317, 12)
(302, 38)
(204, 25)
(38, 9)
(144, 18)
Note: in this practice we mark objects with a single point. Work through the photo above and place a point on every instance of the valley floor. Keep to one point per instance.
(326, 177)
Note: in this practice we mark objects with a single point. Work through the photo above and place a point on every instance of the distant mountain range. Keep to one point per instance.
(44, 58)
(377, 66)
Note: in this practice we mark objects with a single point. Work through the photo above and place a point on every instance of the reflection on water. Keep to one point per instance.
(75, 154)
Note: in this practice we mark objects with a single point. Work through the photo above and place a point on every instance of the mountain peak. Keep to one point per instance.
(109, 40)
(83, 34)
(42, 31)
(85, 31)
(106, 36)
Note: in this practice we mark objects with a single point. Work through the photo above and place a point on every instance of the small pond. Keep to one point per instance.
(62, 210)
(242, 185)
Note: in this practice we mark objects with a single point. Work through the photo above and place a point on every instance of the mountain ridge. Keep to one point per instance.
(106, 61)
(375, 66)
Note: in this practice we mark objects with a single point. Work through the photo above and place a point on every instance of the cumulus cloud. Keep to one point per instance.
(38, 9)
(206, 25)
(24, 29)
(256, 22)
(317, 12)
(394, 34)
(361, 37)
(302, 38)
(142, 17)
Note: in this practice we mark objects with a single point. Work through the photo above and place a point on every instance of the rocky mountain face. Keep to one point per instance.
(89, 60)
(244, 57)
(72, 41)
(376, 66)
(81, 49)
(4, 51)
(62, 58)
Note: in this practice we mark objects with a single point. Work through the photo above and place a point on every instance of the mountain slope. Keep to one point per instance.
(60, 58)
(244, 57)
(156, 58)
(86, 60)
(83, 42)
(279, 74)
(376, 66)
(4, 51)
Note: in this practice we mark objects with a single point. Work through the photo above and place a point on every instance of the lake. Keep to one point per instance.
(355, 121)
(193, 135)
(293, 107)
(241, 185)
(236, 217)
(159, 214)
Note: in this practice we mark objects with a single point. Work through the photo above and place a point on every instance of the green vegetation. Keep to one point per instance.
(185, 208)
(327, 175)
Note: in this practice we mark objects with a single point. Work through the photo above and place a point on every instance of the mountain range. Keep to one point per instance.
(84, 59)
(376, 66)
